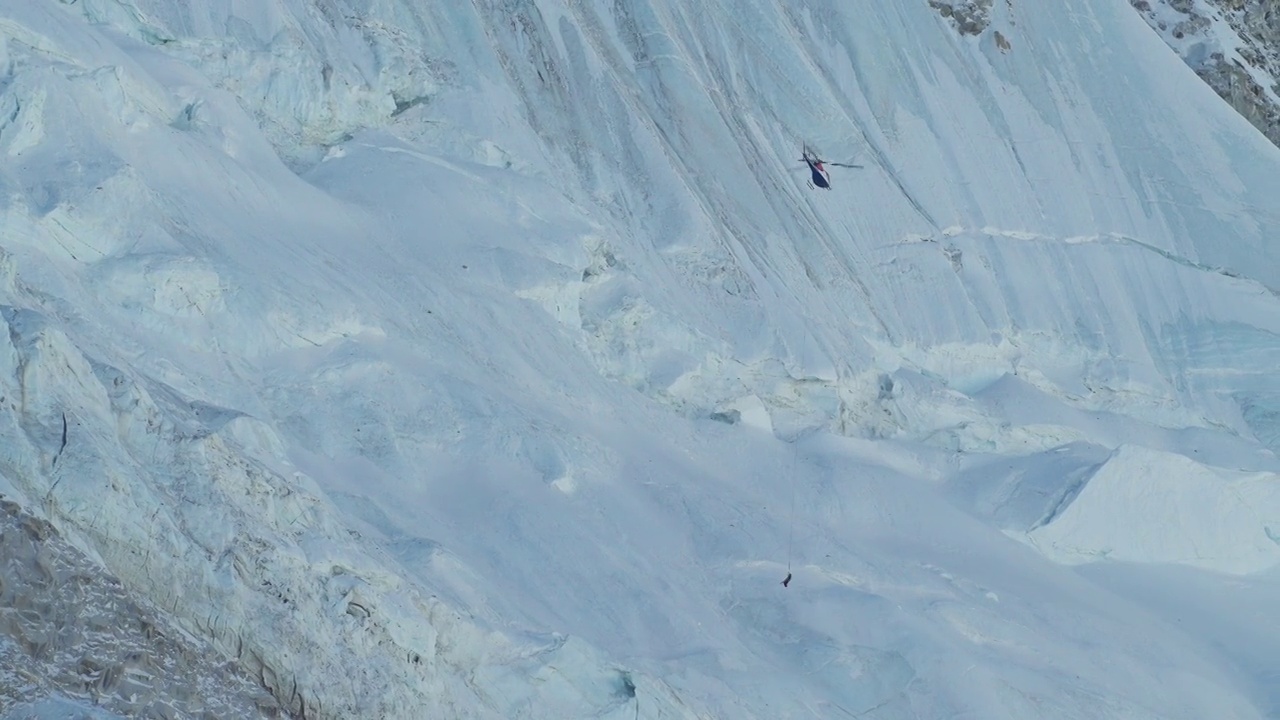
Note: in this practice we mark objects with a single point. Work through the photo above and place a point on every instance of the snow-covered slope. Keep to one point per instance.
(494, 360)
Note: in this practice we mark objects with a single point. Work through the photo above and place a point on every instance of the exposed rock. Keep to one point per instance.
(1237, 86)
(71, 634)
(1245, 73)
(970, 17)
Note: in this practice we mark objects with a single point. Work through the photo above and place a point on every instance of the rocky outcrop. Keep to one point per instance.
(970, 17)
(1244, 69)
(73, 637)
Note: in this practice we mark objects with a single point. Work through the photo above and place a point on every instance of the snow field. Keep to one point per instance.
(491, 362)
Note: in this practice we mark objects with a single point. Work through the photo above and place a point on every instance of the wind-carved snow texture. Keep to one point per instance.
(493, 360)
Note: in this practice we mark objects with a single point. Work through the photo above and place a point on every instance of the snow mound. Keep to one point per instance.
(1149, 506)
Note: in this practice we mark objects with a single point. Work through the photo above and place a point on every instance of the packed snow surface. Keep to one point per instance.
(494, 360)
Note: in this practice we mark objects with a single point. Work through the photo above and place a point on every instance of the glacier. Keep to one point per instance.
(493, 360)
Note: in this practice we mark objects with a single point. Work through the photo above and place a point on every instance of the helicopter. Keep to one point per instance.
(819, 176)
